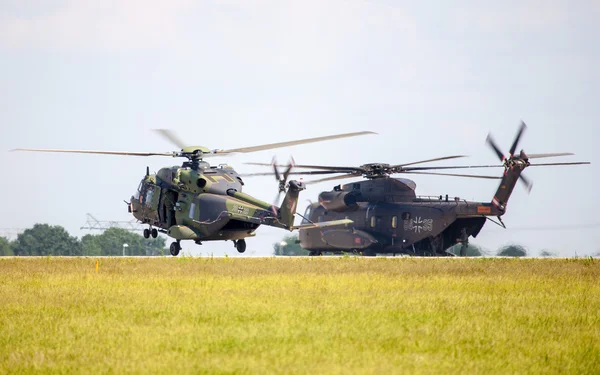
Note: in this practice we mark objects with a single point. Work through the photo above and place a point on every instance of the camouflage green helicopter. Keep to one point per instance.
(200, 202)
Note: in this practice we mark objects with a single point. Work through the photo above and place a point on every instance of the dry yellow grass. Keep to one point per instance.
(309, 315)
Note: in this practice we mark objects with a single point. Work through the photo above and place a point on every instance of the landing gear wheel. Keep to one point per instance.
(175, 248)
(315, 253)
(154, 233)
(240, 245)
(146, 233)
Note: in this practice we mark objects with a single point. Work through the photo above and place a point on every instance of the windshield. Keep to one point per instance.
(139, 190)
(307, 213)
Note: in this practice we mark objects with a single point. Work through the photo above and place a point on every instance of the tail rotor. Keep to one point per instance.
(512, 162)
(281, 178)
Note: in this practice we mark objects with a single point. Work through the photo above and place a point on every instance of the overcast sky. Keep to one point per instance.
(432, 78)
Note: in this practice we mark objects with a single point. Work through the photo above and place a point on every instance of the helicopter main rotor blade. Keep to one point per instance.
(291, 173)
(290, 143)
(513, 148)
(323, 167)
(553, 164)
(170, 135)
(126, 153)
(457, 175)
(428, 161)
(410, 169)
(549, 155)
(489, 166)
(348, 175)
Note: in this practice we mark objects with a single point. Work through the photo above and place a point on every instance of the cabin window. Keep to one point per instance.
(394, 222)
(373, 221)
(149, 196)
(321, 218)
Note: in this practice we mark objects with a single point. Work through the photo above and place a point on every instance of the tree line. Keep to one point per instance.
(44, 239)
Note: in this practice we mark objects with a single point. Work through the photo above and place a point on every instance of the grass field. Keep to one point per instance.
(308, 315)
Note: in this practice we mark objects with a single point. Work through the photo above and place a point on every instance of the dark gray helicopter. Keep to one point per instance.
(388, 216)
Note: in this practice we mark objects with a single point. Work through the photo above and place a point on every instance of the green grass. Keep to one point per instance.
(309, 315)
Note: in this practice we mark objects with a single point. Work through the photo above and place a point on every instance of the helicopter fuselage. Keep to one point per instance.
(388, 217)
(199, 204)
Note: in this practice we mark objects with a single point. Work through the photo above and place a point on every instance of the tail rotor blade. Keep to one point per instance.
(288, 170)
(496, 149)
(274, 164)
(526, 182)
(513, 148)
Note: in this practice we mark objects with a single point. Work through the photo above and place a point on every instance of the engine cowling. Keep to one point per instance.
(338, 200)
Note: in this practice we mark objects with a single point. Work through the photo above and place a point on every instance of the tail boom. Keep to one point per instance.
(507, 185)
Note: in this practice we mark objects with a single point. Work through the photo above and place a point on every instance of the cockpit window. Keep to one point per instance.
(149, 196)
(139, 190)
(307, 214)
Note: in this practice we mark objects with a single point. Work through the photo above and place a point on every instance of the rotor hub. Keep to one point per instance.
(376, 170)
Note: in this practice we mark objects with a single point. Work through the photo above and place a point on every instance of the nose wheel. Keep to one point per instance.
(175, 248)
(240, 245)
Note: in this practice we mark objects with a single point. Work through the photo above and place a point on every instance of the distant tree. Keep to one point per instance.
(5, 247)
(289, 245)
(44, 239)
(512, 251)
(90, 245)
(547, 253)
(472, 250)
(111, 241)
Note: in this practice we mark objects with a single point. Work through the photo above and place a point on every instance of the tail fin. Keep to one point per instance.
(507, 184)
(290, 203)
(513, 167)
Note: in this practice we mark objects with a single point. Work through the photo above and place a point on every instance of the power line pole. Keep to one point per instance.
(94, 224)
